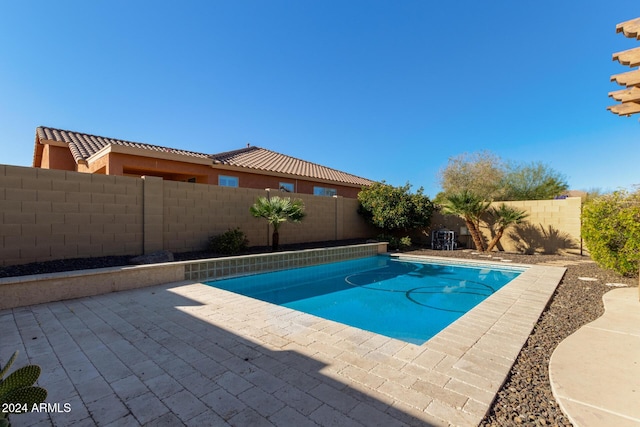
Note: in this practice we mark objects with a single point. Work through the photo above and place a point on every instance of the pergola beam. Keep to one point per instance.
(625, 109)
(630, 28)
(629, 98)
(626, 95)
(629, 57)
(628, 79)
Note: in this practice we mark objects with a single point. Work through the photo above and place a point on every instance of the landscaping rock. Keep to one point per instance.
(526, 398)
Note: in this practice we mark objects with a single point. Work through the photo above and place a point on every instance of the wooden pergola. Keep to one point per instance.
(629, 97)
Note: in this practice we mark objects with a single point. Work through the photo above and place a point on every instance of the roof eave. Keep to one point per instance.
(142, 152)
(55, 143)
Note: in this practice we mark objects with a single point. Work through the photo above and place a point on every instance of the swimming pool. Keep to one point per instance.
(407, 300)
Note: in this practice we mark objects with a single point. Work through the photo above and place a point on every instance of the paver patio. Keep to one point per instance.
(189, 354)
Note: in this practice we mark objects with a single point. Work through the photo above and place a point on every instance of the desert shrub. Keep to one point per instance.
(230, 242)
(393, 209)
(395, 242)
(611, 231)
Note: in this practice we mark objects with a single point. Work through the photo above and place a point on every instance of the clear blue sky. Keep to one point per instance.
(387, 90)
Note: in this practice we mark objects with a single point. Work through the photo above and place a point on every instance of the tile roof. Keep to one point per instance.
(270, 161)
(83, 146)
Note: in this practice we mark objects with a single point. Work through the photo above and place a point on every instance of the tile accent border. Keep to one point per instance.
(42, 288)
(218, 268)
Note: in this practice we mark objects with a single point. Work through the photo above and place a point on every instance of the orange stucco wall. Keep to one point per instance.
(125, 164)
(57, 158)
(120, 164)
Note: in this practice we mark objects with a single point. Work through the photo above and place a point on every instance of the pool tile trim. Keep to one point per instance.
(42, 288)
(218, 268)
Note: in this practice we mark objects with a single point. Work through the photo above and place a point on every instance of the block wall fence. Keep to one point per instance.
(551, 226)
(51, 214)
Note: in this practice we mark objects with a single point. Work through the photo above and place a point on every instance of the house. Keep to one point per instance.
(249, 167)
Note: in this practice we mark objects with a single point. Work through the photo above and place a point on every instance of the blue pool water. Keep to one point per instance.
(410, 301)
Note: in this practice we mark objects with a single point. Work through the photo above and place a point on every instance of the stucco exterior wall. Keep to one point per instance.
(123, 164)
(52, 214)
(54, 157)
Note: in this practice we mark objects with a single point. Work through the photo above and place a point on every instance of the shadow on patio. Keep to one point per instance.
(172, 355)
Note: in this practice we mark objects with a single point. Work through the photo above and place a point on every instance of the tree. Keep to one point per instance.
(480, 173)
(532, 181)
(278, 210)
(470, 207)
(504, 217)
(488, 177)
(395, 208)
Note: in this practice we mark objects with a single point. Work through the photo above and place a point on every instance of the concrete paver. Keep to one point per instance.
(595, 372)
(185, 352)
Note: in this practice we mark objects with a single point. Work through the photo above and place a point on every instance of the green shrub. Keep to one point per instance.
(611, 231)
(231, 242)
(395, 242)
(392, 208)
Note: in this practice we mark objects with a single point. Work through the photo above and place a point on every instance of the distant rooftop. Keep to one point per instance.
(83, 146)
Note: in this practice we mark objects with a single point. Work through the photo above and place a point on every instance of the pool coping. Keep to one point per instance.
(452, 379)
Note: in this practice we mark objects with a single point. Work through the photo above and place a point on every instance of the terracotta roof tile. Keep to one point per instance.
(83, 146)
(270, 161)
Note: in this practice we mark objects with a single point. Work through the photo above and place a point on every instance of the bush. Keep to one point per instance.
(611, 231)
(395, 242)
(392, 208)
(231, 242)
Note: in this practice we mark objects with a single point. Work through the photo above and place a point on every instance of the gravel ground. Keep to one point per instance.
(525, 398)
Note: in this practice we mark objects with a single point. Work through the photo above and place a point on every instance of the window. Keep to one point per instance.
(227, 181)
(287, 187)
(323, 191)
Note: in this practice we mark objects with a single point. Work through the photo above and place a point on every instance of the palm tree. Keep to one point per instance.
(505, 216)
(470, 207)
(277, 210)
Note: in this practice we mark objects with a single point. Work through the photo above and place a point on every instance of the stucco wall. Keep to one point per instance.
(123, 164)
(52, 214)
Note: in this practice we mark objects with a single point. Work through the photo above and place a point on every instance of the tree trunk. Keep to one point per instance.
(475, 235)
(495, 239)
(274, 241)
